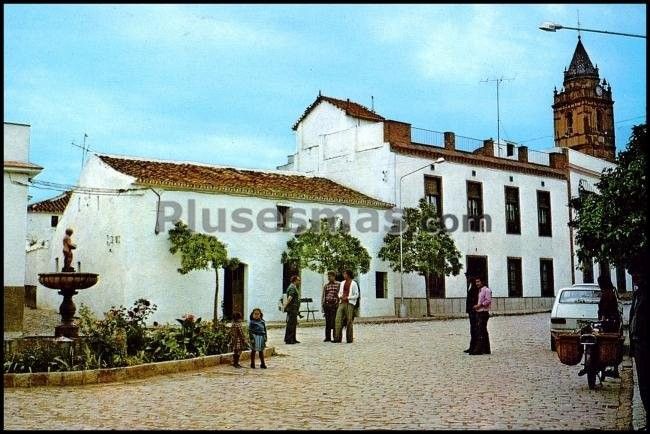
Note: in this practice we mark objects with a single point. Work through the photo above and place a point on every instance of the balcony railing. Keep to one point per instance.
(427, 137)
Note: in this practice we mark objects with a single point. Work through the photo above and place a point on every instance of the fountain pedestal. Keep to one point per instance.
(68, 283)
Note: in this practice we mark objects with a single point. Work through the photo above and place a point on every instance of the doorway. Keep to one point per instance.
(477, 267)
(233, 291)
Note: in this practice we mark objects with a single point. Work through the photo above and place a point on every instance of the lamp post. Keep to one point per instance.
(402, 306)
(552, 27)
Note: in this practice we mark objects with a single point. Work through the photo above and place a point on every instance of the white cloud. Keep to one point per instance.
(181, 27)
(464, 44)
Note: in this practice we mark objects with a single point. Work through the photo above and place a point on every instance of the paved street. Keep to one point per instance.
(412, 376)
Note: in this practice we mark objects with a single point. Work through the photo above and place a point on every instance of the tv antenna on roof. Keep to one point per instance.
(498, 82)
(84, 150)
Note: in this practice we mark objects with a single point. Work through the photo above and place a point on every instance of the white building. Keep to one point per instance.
(120, 228)
(17, 171)
(42, 220)
(524, 259)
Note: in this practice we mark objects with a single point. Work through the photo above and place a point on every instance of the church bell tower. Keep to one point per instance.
(583, 110)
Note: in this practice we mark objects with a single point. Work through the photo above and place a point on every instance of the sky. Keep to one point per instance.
(224, 84)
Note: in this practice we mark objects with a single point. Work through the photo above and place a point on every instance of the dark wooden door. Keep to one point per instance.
(233, 288)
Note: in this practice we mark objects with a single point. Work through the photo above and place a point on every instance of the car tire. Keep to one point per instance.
(552, 343)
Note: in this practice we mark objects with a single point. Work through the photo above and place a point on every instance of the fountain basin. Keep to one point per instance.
(68, 280)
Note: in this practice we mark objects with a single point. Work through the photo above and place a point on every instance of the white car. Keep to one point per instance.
(575, 304)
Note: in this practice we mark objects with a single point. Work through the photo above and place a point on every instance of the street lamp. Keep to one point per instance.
(549, 26)
(402, 306)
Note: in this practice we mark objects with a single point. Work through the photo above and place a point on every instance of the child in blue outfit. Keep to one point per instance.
(257, 336)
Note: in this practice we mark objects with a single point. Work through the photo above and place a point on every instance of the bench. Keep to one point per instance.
(308, 309)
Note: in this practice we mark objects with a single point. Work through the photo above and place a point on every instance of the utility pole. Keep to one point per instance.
(498, 82)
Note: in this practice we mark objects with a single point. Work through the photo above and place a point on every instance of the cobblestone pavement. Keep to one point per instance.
(412, 376)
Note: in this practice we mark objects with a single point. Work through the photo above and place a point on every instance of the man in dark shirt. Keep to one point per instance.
(472, 299)
(292, 307)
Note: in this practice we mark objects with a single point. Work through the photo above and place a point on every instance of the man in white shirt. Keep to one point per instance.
(348, 295)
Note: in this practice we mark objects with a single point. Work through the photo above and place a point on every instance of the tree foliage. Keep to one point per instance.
(327, 247)
(200, 252)
(426, 247)
(612, 224)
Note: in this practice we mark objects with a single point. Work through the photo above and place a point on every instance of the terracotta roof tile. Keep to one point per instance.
(351, 109)
(54, 205)
(478, 160)
(238, 181)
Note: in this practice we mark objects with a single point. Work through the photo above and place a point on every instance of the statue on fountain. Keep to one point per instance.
(68, 246)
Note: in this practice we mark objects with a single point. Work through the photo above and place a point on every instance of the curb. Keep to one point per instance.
(395, 319)
(136, 372)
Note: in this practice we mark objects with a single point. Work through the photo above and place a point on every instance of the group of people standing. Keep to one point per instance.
(477, 306)
(339, 303)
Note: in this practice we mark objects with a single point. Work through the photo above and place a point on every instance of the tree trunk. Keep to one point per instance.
(426, 293)
(215, 312)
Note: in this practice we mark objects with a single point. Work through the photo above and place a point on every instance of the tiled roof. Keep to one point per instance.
(54, 205)
(351, 109)
(187, 176)
(478, 160)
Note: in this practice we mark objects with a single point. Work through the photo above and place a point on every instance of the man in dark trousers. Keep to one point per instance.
(329, 301)
(472, 299)
(482, 308)
(292, 308)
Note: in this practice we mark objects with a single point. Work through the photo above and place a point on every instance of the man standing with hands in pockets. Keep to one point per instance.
(348, 294)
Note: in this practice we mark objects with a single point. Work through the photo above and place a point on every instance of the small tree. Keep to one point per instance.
(612, 224)
(200, 252)
(325, 247)
(426, 247)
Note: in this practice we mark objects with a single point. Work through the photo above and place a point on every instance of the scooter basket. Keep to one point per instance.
(568, 348)
(610, 348)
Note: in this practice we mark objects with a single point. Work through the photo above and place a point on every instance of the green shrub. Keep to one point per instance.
(121, 338)
(122, 332)
(165, 343)
(42, 357)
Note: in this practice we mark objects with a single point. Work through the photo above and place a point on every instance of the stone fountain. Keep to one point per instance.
(68, 282)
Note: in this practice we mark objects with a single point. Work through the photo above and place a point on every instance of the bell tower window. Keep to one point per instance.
(569, 123)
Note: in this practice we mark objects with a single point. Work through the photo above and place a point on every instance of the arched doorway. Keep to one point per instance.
(233, 290)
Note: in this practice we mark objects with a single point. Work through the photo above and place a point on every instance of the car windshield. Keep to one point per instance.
(591, 296)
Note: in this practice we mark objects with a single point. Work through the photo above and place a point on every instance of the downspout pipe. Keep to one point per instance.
(156, 229)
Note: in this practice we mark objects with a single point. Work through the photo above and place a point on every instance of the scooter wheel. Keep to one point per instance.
(591, 370)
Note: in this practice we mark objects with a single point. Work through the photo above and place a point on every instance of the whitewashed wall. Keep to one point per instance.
(15, 227)
(496, 245)
(349, 151)
(16, 142)
(39, 243)
(15, 148)
(140, 265)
